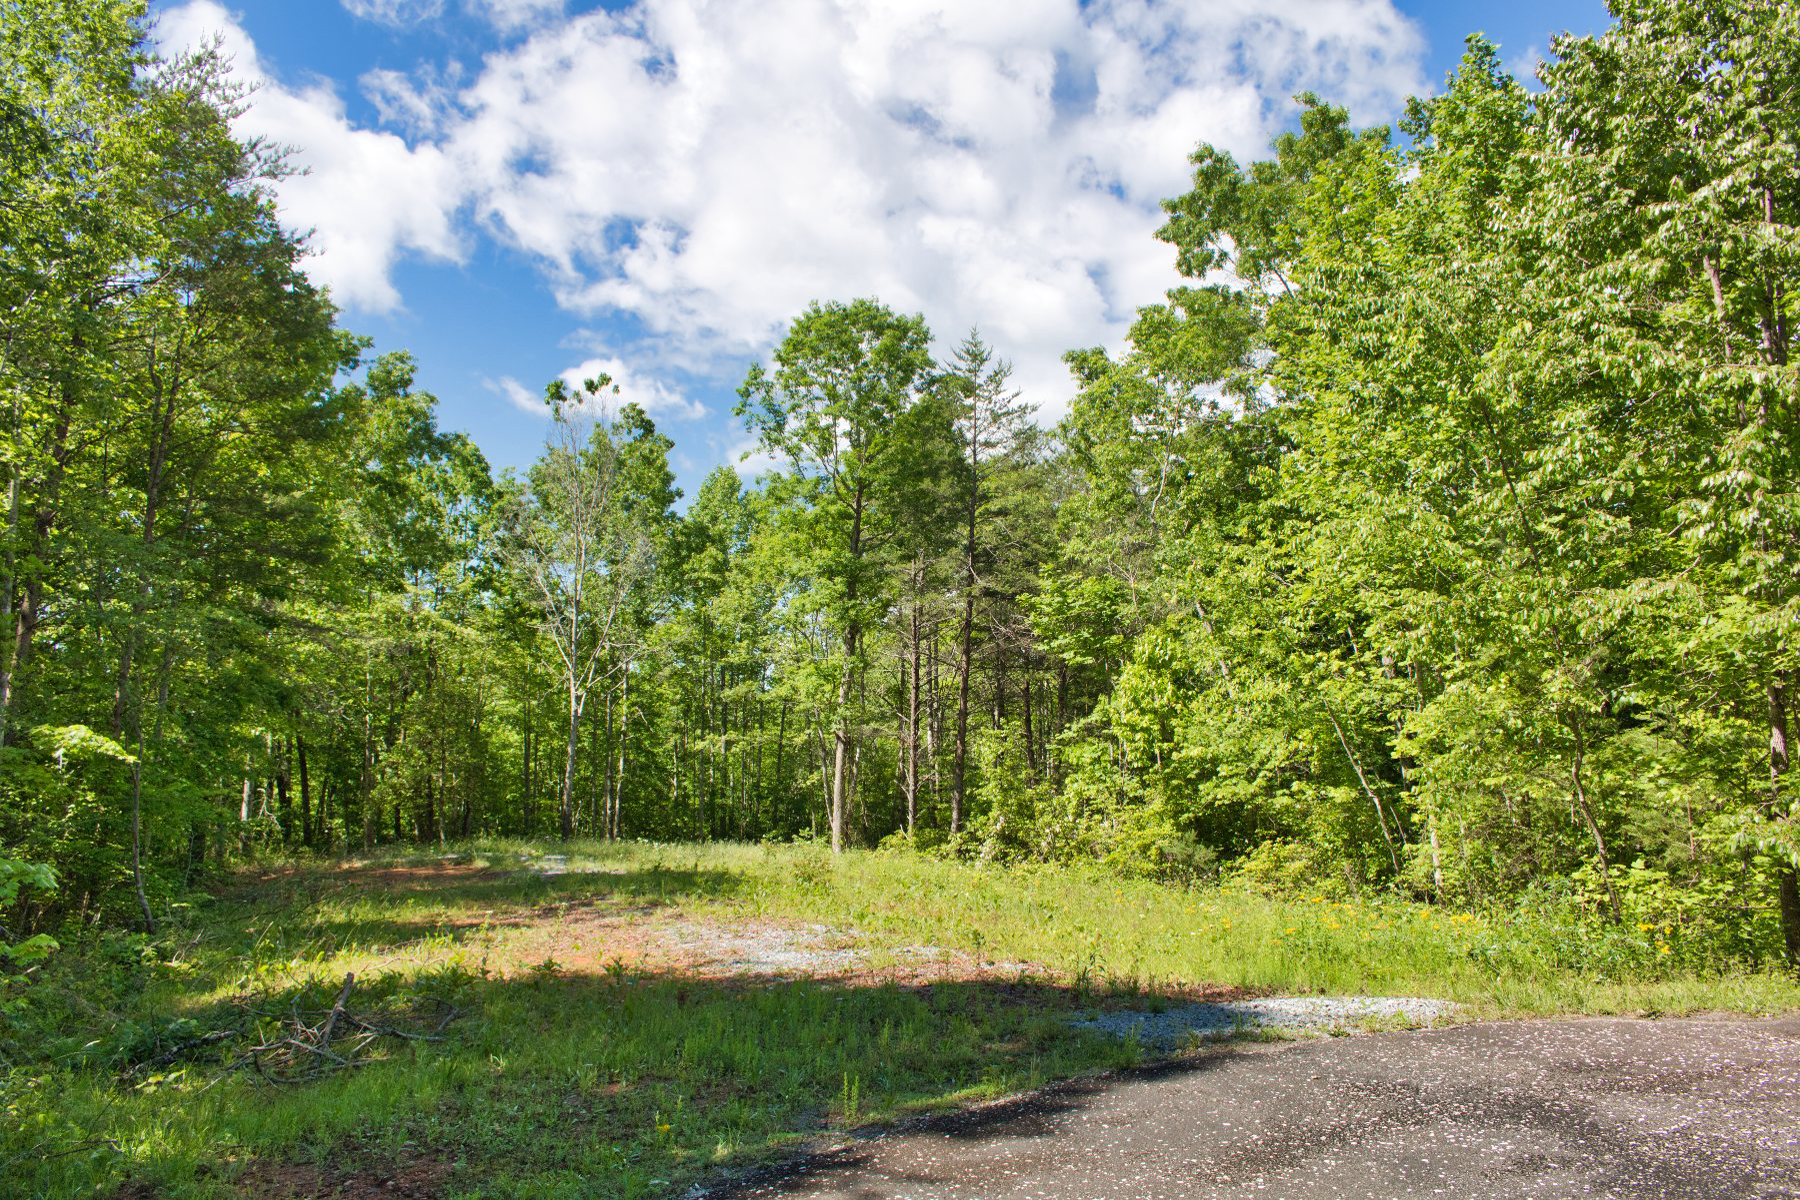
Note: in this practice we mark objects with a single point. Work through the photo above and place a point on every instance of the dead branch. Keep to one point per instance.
(315, 1044)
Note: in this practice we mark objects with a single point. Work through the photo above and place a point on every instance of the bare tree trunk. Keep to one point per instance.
(841, 752)
(1587, 815)
(1380, 812)
(624, 733)
(912, 721)
(1789, 880)
(959, 755)
(306, 821)
(567, 811)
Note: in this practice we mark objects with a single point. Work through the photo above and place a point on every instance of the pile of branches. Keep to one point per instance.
(314, 1043)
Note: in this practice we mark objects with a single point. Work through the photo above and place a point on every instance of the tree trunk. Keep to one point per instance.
(612, 830)
(566, 814)
(1789, 879)
(959, 754)
(366, 777)
(1587, 815)
(137, 853)
(912, 722)
(841, 751)
(781, 749)
(1380, 812)
(852, 634)
(31, 593)
(306, 822)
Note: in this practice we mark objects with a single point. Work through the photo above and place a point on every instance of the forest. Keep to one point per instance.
(1438, 537)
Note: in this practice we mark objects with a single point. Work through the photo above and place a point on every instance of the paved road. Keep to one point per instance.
(1671, 1109)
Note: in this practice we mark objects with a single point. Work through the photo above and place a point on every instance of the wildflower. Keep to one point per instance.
(664, 1128)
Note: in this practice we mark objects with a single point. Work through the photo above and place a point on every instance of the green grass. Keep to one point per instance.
(573, 1073)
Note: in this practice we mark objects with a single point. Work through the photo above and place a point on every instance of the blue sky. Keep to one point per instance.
(519, 189)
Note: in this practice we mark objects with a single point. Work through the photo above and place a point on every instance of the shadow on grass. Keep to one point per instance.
(637, 1085)
(455, 901)
(471, 884)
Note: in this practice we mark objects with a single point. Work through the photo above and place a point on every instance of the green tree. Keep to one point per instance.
(843, 377)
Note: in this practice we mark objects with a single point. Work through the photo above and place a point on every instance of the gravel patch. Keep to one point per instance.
(783, 951)
(1174, 1027)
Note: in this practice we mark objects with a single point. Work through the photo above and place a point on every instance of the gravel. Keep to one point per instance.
(1601, 1108)
(1174, 1027)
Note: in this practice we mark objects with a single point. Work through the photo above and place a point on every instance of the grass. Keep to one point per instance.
(584, 1065)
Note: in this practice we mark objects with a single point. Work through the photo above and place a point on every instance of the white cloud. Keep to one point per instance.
(520, 396)
(418, 104)
(654, 396)
(707, 167)
(1524, 65)
(510, 16)
(395, 13)
(367, 196)
(747, 457)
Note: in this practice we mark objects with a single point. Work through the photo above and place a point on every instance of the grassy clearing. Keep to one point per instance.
(590, 1059)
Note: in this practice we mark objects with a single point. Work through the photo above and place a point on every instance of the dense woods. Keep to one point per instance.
(1439, 534)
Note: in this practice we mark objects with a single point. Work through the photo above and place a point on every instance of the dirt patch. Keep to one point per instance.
(619, 934)
(633, 937)
(425, 1179)
(639, 938)
(134, 1191)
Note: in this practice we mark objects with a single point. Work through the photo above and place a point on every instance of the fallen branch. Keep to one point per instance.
(337, 1010)
(334, 1043)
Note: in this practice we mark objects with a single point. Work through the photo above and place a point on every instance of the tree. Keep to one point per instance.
(1672, 140)
(990, 422)
(843, 376)
(581, 549)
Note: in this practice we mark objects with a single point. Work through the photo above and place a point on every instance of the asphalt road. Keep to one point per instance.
(1672, 1109)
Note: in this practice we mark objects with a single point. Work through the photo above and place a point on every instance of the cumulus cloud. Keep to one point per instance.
(706, 167)
(418, 103)
(654, 396)
(366, 196)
